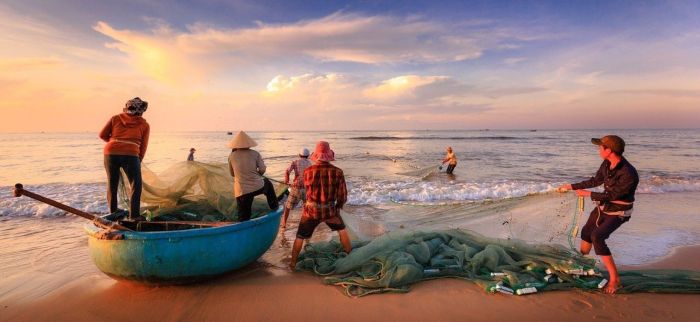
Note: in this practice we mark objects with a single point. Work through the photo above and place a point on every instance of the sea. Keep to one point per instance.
(503, 186)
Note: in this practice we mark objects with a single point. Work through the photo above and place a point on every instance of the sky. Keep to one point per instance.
(68, 65)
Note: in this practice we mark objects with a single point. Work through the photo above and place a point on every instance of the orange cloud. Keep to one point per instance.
(28, 63)
(156, 54)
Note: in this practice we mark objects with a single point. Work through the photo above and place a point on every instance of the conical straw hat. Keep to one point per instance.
(241, 141)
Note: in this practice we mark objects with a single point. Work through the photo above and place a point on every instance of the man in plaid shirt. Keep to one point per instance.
(296, 192)
(326, 193)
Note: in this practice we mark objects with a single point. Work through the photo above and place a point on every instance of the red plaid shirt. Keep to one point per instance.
(326, 192)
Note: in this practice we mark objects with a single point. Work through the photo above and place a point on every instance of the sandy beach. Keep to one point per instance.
(46, 273)
(69, 288)
(480, 140)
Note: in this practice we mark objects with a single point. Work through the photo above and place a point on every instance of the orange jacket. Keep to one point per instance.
(126, 135)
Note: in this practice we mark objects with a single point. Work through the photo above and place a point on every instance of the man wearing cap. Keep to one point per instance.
(247, 167)
(614, 205)
(326, 193)
(297, 191)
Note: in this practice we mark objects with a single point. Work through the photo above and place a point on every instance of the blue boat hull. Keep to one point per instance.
(183, 256)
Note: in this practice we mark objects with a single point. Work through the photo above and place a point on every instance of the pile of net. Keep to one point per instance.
(394, 261)
(193, 191)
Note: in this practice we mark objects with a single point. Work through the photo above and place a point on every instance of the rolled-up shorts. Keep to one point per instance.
(307, 225)
(598, 228)
(295, 195)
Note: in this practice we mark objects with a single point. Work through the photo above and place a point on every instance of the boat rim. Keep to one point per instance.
(93, 230)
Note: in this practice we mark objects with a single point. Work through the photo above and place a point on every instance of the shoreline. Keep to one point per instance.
(261, 292)
(685, 257)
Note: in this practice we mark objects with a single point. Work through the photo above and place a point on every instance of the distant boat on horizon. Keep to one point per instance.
(229, 133)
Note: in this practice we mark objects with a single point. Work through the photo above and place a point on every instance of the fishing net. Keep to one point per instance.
(543, 218)
(422, 172)
(394, 261)
(523, 245)
(193, 191)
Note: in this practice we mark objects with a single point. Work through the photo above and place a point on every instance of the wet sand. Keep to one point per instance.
(67, 287)
(271, 294)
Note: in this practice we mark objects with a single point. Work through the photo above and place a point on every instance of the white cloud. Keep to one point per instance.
(317, 83)
(338, 99)
(408, 88)
(339, 37)
(514, 60)
(168, 54)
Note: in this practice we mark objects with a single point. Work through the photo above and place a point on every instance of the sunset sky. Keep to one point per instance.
(68, 65)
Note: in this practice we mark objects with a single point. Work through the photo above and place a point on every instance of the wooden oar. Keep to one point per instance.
(99, 221)
(102, 222)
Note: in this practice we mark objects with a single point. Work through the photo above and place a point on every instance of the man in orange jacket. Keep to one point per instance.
(126, 135)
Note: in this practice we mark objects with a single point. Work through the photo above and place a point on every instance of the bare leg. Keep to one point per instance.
(284, 219)
(585, 247)
(296, 248)
(345, 240)
(614, 282)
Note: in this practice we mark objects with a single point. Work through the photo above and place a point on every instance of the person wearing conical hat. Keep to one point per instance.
(296, 192)
(326, 194)
(247, 167)
(126, 135)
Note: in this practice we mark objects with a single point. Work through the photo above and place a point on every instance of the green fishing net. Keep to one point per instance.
(512, 245)
(193, 191)
(394, 261)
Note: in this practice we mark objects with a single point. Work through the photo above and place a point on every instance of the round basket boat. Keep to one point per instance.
(181, 256)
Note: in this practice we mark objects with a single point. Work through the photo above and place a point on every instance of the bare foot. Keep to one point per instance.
(612, 287)
(292, 267)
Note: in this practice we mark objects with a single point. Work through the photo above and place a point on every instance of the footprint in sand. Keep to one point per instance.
(581, 305)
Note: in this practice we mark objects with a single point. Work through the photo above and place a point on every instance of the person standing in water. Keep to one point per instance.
(190, 157)
(247, 167)
(126, 135)
(296, 192)
(326, 194)
(614, 205)
(451, 160)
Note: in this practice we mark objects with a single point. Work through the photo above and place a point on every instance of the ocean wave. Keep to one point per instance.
(397, 138)
(282, 157)
(377, 192)
(90, 197)
(657, 184)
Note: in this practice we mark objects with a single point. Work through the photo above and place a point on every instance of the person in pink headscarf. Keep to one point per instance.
(326, 193)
